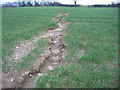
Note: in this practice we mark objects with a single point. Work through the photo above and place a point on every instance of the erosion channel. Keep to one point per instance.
(52, 57)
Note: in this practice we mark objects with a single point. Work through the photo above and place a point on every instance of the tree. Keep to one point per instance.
(15, 4)
(113, 3)
(8, 4)
(23, 3)
(75, 1)
(35, 3)
(19, 3)
(29, 3)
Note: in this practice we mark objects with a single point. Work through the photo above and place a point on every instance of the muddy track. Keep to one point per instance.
(52, 56)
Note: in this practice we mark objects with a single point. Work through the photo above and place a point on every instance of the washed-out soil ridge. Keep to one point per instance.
(52, 56)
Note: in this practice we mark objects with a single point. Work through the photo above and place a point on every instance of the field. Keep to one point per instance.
(91, 38)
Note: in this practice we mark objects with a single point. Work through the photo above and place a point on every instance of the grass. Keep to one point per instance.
(0, 47)
(21, 24)
(94, 30)
(31, 57)
(0, 35)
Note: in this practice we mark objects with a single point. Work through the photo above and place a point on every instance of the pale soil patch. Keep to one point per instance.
(20, 51)
(51, 57)
(53, 54)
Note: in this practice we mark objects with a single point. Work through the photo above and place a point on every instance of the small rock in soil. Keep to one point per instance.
(40, 74)
(50, 67)
(17, 47)
(12, 79)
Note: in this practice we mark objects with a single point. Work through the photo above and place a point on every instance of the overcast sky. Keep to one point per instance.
(82, 2)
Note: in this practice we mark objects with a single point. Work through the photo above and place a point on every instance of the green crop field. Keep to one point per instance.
(93, 30)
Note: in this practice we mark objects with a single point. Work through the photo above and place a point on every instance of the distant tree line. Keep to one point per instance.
(109, 5)
(31, 3)
(35, 3)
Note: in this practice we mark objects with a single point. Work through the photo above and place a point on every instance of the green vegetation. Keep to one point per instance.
(94, 30)
(0, 35)
(21, 24)
(0, 47)
(32, 56)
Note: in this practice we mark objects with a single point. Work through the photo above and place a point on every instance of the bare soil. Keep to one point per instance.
(53, 56)
(20, 51)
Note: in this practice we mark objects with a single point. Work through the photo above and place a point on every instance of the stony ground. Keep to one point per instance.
(50, 58)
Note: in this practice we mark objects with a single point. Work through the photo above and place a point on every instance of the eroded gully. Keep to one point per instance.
(52, 57)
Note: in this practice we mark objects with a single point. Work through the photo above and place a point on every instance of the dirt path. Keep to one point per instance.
(52, 57)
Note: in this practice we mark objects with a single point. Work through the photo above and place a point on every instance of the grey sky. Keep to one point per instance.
(82, 2)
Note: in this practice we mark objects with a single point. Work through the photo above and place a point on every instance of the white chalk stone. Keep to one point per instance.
(12, 79)
(17, 47)
(50, 67)
(30, 75)
(40, 74)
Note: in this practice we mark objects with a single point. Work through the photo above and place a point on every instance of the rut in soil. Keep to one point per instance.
(52, 57)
